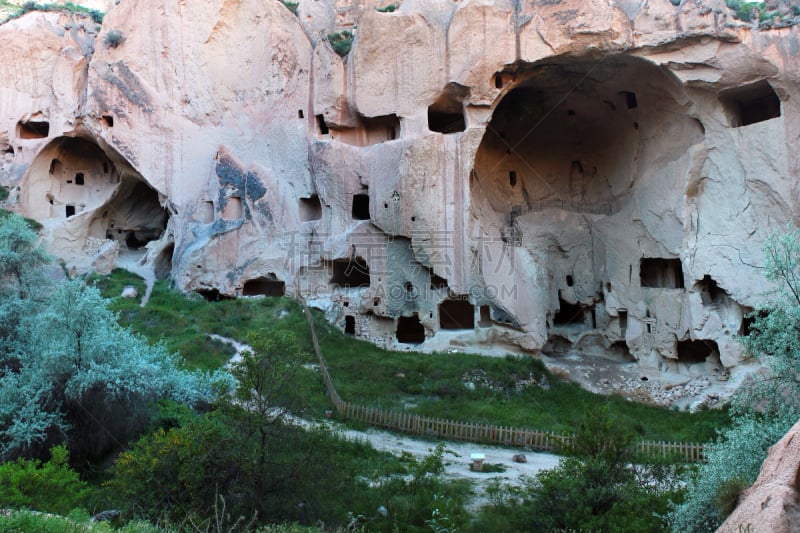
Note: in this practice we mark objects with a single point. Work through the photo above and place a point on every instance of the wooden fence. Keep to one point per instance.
(469, 431)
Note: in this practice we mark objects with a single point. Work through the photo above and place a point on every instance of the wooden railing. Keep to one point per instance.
(472, 432)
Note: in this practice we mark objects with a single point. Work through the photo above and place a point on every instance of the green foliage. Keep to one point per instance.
(20, 254)
(247, 455)
(27, 7)
(595, 489)
(291, 6)
(3, 193)
(766, 409)
(23, 521)
(727, 495)
(32, 224)
(113, 38)
(341, 42)
(433, 384)
(74, 370)
(51, 487)
(390, 8)
(742, 10)
(182, 471)
(736, 455)
(67, 368)
(418, 498)
(112, 285)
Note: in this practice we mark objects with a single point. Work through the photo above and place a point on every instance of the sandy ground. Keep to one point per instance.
(457, 458)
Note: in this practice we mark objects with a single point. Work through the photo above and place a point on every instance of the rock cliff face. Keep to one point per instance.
(532, 175)
(772, 504)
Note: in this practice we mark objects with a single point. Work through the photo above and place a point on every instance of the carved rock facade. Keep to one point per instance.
(561, 175)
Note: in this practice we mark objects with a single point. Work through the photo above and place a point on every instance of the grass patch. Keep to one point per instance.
(27, 7)
(490, 468)
(511, 391)
(111, 286)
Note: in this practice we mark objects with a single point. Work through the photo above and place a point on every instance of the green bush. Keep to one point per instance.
(765, 409)
(341, 42)
(742, 10)
(27, 7)
(23, 521)
(594, 489)
(183, 471)
(387, 9)
(51, 487)
(113, 38)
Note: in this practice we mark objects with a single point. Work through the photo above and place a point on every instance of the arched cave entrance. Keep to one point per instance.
(268, 285)
(696, 351)
(570, 146)
(569, 135)
(133, 216)
(71, 175)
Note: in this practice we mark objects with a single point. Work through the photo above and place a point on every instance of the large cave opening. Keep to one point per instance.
(71, 175)
(133, 216)
(349, 273)
(268, 285)
(567, 135)
(575, 146)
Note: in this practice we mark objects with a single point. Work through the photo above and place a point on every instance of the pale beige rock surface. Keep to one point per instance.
(772, 504)
(562, 177)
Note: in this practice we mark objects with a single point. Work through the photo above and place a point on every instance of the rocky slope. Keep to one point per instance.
(585, 177)
(772, 504)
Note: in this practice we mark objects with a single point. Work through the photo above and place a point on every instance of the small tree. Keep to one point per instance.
(74, 373)
(595, 488)
(264, 398)
(20, 254)
(766, 409)
(51, 487)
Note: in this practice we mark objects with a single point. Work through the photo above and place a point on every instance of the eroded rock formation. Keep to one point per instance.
(772, 504)
(546, 176)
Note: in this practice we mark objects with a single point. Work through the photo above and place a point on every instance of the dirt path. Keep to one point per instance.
(457, 454)
(457, 458)
(132, 262)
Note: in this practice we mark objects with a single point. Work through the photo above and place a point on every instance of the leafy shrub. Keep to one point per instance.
(181, 472)
(764, 410)
(51, 487)
(113, 38)
(387, 9)
(341, 42)
(737, 455)
(76, 522)
(594, 489)
(28, 6)
(68, 368)
(742, 10)
(3, 193)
